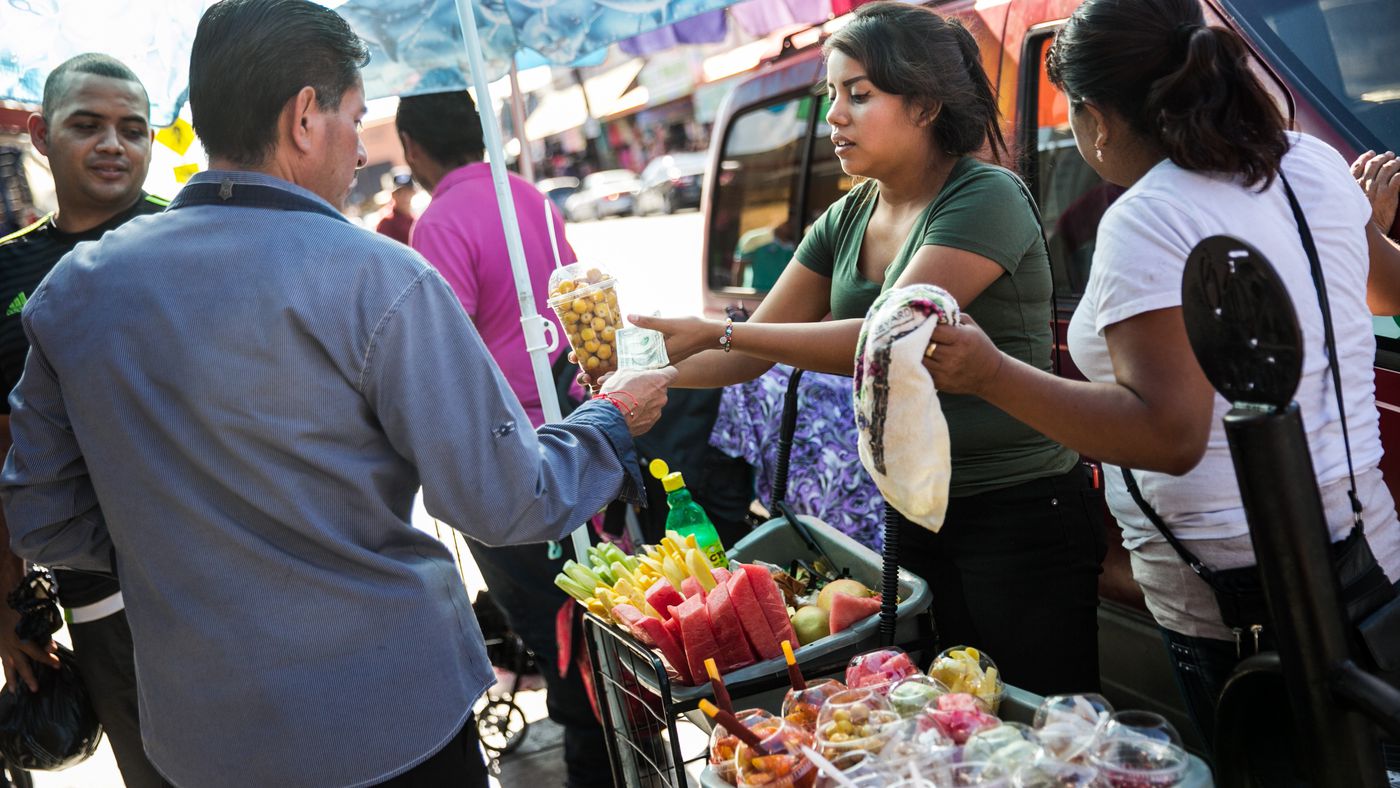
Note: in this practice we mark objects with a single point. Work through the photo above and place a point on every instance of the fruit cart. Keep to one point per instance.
(641, 704)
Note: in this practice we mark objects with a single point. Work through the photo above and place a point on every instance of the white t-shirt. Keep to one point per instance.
(1143, 242)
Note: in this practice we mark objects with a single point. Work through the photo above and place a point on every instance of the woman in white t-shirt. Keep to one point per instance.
(1166, 106)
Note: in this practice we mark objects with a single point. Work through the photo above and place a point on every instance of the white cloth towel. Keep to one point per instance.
(903, 435)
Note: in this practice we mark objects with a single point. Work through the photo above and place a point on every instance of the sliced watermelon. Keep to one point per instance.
(847, 610)
(699, 636)
(691, 587)
(756, 629)
(721, 575)
(734, 650)
(770, 601)
(631, 618)
(672, 627)
(662, 595)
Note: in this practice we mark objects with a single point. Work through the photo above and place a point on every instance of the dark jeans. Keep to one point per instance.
(104, 657)
(1015, 572)
(457, 765)
(1201, 666)
(521, 579)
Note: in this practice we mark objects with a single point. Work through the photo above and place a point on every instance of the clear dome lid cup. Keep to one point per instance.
(584, 298)
(911, 694)
(1007, 746)
(1131, 761)
(801, 707)
(965, 669)
(958, 715)
(1146, 724)
(912, 743)
(781, 764)
(857, 719)
(879, 668)
(1047, 772)
(978, 773)
(1069, 725)
(724, 744)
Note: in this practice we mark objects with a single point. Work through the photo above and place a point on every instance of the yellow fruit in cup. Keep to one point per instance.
(599, 296)
(566, 286)
(591, 345)
(588, 334)
(607, 334)
(604, 351)
(581, 305)
(569, 316)
(592, 363)
(599, 324)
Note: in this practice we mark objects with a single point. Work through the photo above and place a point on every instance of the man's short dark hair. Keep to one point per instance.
(446, 125)
(251, 56)
(94, 63)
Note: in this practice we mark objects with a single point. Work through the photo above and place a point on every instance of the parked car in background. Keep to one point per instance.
(774, 170)
(672, 182)
(603, 194)
(558, 190)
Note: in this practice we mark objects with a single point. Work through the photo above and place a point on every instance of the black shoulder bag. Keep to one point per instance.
(1366, 591)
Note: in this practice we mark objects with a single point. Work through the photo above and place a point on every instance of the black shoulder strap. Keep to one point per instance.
(1320, 284)
(1186, 555)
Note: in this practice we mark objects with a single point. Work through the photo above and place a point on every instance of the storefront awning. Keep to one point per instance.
(608, 95)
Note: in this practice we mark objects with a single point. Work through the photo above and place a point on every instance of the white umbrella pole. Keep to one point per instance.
(530, 319)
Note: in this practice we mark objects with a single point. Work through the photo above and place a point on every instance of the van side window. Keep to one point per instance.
(753, 234)
(1071, 196)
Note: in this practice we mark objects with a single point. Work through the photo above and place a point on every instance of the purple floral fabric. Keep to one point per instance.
(826, 478)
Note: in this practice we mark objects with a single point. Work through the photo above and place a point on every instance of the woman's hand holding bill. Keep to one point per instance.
(685, 336)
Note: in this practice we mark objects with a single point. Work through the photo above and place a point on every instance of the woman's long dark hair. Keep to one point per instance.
(1182, 84)
(931, 61)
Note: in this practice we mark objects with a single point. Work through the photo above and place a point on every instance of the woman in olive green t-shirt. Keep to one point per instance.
(1014, 569)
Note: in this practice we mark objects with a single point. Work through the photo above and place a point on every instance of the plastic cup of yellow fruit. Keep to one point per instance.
(857, 719)
(584, 297)
(965, 669)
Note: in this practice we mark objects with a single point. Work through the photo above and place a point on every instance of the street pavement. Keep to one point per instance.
(656, 261)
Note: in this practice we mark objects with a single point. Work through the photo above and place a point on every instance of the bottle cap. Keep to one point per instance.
(673, 482)
(658, 469)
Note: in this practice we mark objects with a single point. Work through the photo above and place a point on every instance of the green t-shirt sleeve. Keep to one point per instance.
(987, 214)
(817, 250)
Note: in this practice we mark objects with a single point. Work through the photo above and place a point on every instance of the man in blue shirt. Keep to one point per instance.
(235, 402)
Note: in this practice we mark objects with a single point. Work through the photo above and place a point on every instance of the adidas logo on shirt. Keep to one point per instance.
(17, 305)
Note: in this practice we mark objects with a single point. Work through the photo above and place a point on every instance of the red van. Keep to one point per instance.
(773, 170)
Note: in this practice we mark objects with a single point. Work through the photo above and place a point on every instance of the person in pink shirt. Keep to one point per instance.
(461, 234)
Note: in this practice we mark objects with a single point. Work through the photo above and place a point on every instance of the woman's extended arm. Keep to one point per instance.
(785, 328)
(1155, 417)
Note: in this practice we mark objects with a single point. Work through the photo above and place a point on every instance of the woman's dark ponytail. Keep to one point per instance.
(1184, 86)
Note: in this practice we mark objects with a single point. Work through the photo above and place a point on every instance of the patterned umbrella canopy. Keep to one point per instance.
(416, 46)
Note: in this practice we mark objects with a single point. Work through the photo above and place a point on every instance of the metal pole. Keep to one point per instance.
(530, 320)
(1291, 541)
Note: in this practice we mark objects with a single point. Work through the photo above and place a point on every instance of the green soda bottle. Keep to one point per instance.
(686, 516)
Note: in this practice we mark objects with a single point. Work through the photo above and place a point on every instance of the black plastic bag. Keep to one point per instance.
(55, 727)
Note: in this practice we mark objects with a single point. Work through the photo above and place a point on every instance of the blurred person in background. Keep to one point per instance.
(397, 218)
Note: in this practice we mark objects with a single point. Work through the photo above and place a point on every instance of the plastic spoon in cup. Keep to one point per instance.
(794, 672)
(717, 683)
(734, 726)
(827, 767)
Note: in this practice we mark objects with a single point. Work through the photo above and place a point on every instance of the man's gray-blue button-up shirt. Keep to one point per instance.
(242, 402)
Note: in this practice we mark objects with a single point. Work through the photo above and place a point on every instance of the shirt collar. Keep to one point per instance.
(260, 179)
(462, 173)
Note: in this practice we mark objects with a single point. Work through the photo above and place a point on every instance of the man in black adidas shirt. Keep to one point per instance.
(94, 131)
